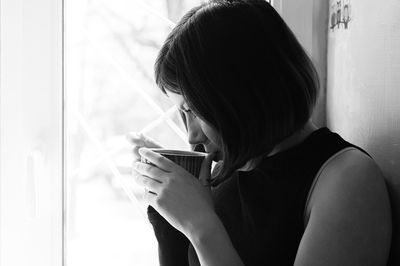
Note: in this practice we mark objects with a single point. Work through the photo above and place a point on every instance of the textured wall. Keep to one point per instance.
(363, 84)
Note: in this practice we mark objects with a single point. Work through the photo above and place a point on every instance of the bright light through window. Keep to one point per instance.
(111, 47)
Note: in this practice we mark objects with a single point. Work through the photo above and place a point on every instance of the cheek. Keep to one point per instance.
(211, 134)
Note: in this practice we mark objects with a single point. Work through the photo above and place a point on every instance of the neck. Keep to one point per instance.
(296, 138)
(291, 141)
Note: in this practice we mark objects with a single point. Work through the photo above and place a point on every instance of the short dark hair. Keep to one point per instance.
(241, 69)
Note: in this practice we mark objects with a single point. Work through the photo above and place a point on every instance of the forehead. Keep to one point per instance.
(176, 99)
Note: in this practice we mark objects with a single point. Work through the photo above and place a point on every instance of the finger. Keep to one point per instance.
(149, 170)
(151, 199)
(146, 182)
(138, 139)
(149, 142)
(205, 170)
(158, 160)
(135, 152)
(135, 138)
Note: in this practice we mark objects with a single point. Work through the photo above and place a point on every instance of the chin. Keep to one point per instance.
(218, 157)
(217, 160)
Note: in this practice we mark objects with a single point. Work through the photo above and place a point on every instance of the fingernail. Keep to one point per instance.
(142, 151)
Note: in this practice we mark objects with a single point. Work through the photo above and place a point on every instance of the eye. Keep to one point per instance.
(187, 111)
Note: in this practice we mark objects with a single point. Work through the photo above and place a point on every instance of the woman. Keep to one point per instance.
(284, 191)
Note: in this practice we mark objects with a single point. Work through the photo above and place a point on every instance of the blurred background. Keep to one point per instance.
(110, 50)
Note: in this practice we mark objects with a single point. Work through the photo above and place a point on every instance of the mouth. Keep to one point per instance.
(218, 154)
(205, 148)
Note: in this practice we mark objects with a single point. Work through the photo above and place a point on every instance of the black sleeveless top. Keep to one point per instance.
(262, 209)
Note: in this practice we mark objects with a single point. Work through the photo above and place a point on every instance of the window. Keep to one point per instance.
(111, 47)
(75, 77)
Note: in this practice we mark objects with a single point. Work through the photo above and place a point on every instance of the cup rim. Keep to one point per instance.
(178, 152)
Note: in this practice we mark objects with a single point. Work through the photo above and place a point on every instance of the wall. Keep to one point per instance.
(308, 20)
(363, 85)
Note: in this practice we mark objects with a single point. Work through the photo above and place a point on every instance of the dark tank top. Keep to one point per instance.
(263, 209)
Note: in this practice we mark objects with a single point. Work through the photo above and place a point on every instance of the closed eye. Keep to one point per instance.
(187, 111)
(182, 108)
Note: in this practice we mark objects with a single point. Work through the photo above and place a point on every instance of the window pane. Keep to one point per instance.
(31, 148)
(111, 47)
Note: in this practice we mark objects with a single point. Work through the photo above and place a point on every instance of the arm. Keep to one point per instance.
(349, 218)
(187, 205)
(212, 243)
(172, 244)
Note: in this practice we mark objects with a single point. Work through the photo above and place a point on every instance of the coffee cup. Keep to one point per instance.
(189, 160)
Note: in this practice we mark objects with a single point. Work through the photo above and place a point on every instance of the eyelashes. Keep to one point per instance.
(187, 111)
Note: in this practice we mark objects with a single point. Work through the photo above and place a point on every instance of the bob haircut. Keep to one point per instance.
(242, 71)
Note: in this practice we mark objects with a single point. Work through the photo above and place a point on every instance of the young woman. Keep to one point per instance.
(284, 192)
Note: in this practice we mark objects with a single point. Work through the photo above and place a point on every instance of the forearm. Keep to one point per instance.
(172, 244)
(213, 245)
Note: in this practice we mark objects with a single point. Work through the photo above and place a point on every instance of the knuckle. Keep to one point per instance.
(135, 151)
(158, 200)
(164, 160)
(144, 181)
(142, 167)
(162, 193)
(148, 168)
(168, 182)
(146, 197)
(159, 160)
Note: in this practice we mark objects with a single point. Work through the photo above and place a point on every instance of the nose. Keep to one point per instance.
(195, 133)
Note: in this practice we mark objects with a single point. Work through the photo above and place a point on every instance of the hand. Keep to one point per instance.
(141, 141)
(183, 200)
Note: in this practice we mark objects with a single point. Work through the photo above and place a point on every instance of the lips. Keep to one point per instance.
(218, 155)
(209, 148)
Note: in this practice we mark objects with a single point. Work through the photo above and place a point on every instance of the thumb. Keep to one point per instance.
(205, 171)
(139, 139)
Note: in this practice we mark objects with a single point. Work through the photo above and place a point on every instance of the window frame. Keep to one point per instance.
(31, 133)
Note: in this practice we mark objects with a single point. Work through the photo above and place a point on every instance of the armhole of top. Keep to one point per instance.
(306, 214)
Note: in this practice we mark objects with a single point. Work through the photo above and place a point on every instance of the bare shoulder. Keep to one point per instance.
(349, 214)
(348, 175)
